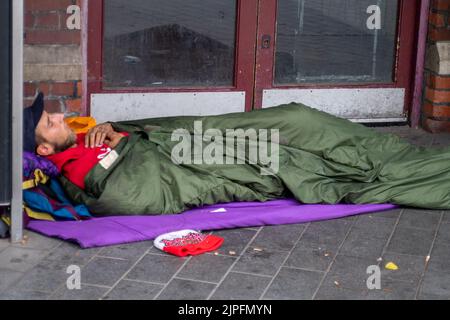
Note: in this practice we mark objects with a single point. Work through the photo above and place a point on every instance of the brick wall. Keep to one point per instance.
(436, 105)
(52, 55)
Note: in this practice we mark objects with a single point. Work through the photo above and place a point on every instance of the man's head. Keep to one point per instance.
(46, 133)
(53, 135)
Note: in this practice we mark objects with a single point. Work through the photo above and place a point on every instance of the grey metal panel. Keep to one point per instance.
(17, 124)
(132, 106)
(361, 104)
(5, 101)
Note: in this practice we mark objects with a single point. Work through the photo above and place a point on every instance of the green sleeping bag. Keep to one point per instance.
(320, 158)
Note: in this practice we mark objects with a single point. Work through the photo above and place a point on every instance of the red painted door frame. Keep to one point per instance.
(244, 62)
(404, 67)
(255, 19)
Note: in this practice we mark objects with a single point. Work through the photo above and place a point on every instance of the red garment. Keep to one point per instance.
(187, 242)
(75, 163)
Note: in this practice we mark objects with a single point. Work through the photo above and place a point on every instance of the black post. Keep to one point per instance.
(5, 101)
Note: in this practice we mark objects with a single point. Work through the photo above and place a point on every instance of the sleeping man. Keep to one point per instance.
(168, 165)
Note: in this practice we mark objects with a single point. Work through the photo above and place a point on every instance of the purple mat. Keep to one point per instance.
(112, 230)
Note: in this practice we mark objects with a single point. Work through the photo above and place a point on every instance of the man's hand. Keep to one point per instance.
(97, 135)
(113, 139)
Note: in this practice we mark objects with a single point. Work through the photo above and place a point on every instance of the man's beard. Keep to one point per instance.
(70, 141)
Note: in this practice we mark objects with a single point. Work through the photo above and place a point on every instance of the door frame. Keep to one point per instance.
(403, 66)
(246, 24)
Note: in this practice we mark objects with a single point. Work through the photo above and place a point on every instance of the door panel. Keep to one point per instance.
(334, 56)
(330, 42)
(153, 58)
(253, 54)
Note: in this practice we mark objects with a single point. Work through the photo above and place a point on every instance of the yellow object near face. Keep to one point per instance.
(80, 124)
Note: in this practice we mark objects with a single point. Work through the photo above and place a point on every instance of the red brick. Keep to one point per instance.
(436, 126)
(437, 19)
(438, 82)
(63, 89)
(431, 110)
(48, 20)
(437, 96)
(73, 105)
(29, 20)
(29, 89)
(439, 34)
(52, 106)
(47, 5)
(44, 87)
(52, 37)
(79, 89)
(441, 5)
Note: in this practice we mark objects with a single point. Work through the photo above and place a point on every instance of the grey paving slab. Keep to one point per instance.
(349, 272)
(15, 294)
(446, 216)
(71, 253)
(207, 267)
(129, 251)
(330, 233)
(334, 292)
(441, 251)
(104, 271)
(237, 286)
(419, 219)
(360, 245)
(156, 268)
(431, 297)
(20, 259)
(86, 292)
(411, 241)
(316, 258)
(181, 289)
(444, 233)
(282, 237)
(4, 243)
(235, 240)
(410, 268)
(393, 290)
(46, 276)
(389, 214)
(436, 283)
(133, 290)
(260, 261)
(33, 240)
(372, 226)
(294, 284)
(439, 266)
(8, 278)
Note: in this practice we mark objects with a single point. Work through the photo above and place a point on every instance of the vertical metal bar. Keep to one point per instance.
(375, 48)
(420, 64)
(84, 55)
(17, 114)
(299, 33)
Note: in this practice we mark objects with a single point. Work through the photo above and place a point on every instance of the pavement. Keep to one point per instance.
(319, 260)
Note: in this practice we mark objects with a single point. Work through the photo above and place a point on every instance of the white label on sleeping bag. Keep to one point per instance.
(109, 159)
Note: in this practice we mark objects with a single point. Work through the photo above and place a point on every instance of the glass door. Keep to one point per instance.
(351, 58)
(151, 58)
